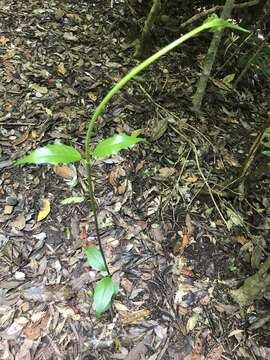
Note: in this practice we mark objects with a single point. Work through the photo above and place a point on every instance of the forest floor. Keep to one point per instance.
(175, 245)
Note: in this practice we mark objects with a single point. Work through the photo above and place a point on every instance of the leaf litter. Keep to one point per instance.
(164, 242)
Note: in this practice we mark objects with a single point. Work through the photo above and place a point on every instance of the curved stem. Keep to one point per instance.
(215, 23)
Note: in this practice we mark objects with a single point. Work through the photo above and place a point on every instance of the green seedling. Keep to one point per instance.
(106, 288)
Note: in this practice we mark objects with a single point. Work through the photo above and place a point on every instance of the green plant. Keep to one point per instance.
(106, 288)
(266, 144)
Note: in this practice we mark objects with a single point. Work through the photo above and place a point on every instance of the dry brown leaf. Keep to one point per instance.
(241, 239)
(126, 285)
(166, 172)
(64, 171)
(136, 317)
(61, 69)
(3, 40)
(9, 54)
(8, 209)
(183, 243)
(19, 223)
(57, 292)
(116, 172)
(34, 330)
(215, 353)
(22, 138)
(122, 187)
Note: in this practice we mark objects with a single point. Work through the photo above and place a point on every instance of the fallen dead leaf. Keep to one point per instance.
(215, 353)
(122, 187)
(45, 210)
(3, 40)
(166, 172)
(126, 285)
(34, 330)
(64, 171)
(136, 317)
(61, 69)
(8, 209)
(19, 223)
(22, 138)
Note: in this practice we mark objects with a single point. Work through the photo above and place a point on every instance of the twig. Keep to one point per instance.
(208, 186)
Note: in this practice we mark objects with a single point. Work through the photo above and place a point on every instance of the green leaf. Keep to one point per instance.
(103, 293)
(51, 154)
(72, 200)
(114, 144)
(228, 78)
(266, 153)
(95, 259)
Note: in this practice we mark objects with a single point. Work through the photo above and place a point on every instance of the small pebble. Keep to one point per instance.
(19, 275)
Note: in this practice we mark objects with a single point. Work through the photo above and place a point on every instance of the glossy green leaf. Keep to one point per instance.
(95, 259)
(105, 289)
(114, 144)
(51, 154)
(72, 200)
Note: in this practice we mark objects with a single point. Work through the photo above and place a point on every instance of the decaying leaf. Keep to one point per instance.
(61, 69)
(65, 171)
(136, 317)
(22, 138)
(166, 172)
(45, 210)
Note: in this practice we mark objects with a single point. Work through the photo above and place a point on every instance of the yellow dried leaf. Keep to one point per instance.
(45, 210)
(61, 69)
(192, 179)
(136, 133)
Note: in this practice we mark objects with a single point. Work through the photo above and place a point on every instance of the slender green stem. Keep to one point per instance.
(215, 23)
(94, 209)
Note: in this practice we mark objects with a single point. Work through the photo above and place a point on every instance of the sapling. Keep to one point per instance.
(106, 288)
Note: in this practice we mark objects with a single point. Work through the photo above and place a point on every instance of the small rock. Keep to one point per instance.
(8, 209)
(19, 275)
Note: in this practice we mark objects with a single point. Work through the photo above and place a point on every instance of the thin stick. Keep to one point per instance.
(208, 187)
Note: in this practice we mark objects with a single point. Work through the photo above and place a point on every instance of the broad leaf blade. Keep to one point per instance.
(114, 144)
(95, 259)
(103, 293)
(51, 154)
